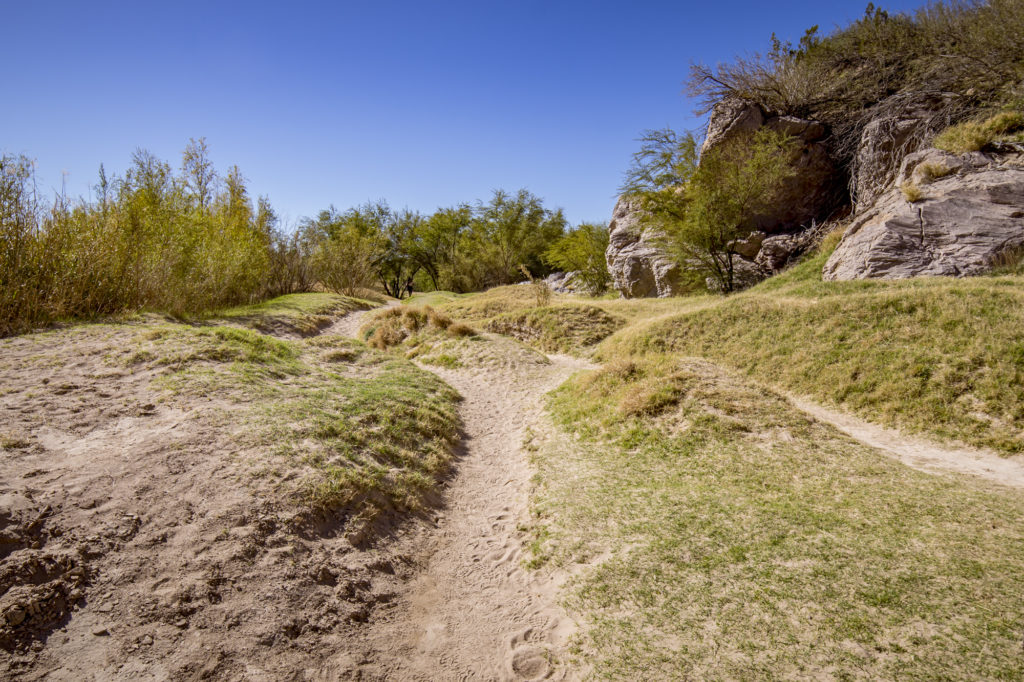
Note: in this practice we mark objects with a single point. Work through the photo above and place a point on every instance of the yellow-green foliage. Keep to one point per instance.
(152, 240)
(972, 136)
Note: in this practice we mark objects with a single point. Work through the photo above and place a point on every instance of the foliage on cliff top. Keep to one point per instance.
(969, 52)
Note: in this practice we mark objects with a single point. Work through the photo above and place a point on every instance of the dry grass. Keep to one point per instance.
(933, 171)
(561, 328)
(718, 533)
(331, 425)
(409, 324)
(911, 192)
(972, 136)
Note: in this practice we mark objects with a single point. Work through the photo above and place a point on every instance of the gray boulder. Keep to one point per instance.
(729, 118)
(638, 266)
(971, 211)
(562, 282)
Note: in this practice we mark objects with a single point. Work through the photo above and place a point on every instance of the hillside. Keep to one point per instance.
(767, 423)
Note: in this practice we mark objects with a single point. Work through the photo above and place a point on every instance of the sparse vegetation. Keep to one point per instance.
(560, 328)
(933, 171)
(409, 325)
(883, 62)
(912, 192)
(335, 426)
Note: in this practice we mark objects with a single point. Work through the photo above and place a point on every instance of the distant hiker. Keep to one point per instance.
(408, 290)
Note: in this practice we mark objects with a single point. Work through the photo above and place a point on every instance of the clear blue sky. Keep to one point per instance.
(425, 104)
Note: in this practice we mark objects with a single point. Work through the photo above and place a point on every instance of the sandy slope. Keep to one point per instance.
(136, 546)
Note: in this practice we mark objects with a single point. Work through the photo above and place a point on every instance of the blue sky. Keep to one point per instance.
(423, 104)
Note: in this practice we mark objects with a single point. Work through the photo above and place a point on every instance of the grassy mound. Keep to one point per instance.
(297, 314)
(561, 328)
(730, 537)
(328, 423)
(940, 356)
(410, 325)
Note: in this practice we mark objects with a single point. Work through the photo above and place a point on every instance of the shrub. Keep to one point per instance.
(581, 251)
(182, 243)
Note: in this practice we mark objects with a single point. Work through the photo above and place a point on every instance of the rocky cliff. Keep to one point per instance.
(639, 267)
(969, 212)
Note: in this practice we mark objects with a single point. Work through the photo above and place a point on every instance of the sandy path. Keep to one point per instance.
(473, 612)
(918, 453)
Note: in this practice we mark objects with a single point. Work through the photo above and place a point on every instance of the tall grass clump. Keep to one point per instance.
(154, 239)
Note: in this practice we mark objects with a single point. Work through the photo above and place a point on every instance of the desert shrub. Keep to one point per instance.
(970, 52)
(933, 171)
(582, 251)
(460, 330)
(393, 326)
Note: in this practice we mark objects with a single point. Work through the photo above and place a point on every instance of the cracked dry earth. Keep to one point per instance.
(134, 544)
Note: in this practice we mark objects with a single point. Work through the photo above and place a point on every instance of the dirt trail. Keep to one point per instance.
(918, 453)
(473, 612)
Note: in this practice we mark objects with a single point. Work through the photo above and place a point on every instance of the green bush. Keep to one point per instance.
(180, 243)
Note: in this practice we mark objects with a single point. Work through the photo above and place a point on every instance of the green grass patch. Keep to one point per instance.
(433, 298)
(730, 537)
(298, 314)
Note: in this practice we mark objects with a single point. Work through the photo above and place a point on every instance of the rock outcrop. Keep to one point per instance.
(971, 211)
(639, 268)
(804, 196)
(901, 125)
(562, 282)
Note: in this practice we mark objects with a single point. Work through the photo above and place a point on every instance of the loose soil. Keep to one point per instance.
(134, 542)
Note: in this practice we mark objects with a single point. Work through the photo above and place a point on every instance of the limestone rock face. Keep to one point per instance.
(887, 139)
(807, 193)
(562, 282)
(971, 211)
(637, 266)
(729, 118)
